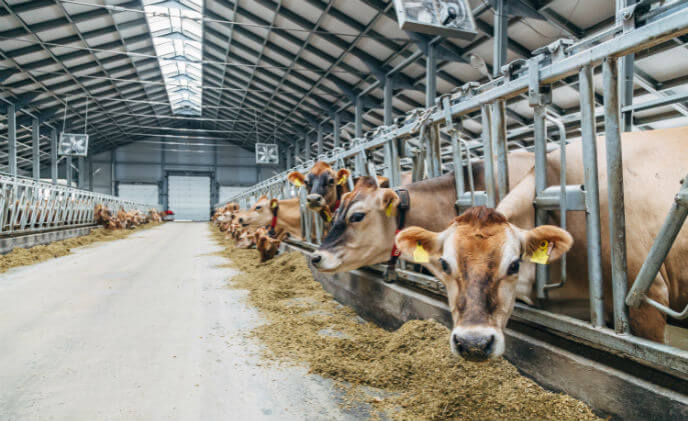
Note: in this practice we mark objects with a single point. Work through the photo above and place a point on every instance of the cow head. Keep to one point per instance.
(267, 246)
(260, 214)
(362, 231)
(480, 258)
(322, 183)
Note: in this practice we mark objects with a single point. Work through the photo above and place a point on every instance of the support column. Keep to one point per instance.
(113, 172)
(627, 67)
(592, 195)
(321, 145)
(358, 122)
(307, 147)
(163, 177)
(12, 139)
(387, 102)
(89, 170)
(53, 155)
(82, 172)
(35, 149)
(430, 76)
(337, 129)
(617, 218)
(501, 20)
(70, 172)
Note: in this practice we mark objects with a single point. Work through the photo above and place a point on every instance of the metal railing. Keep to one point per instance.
(30, 206)
(421, 132)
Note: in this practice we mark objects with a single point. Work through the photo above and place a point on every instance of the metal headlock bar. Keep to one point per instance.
(29, 206)
(416, 138)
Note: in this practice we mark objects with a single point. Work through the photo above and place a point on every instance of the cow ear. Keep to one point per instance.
(383, 182)
(296, 178)
(342, 176)
(419, 244)
(389, 202)
(546, 243)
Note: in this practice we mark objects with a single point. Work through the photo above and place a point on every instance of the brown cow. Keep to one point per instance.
(281, 215)
(478, 259)
(654, 162)
(325, 187)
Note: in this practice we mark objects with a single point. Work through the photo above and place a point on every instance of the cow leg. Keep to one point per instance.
(646, 321)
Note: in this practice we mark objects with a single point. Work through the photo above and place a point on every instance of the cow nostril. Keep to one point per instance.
(315, 259)
(489, 345)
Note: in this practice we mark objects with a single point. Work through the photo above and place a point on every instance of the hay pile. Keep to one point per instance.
(412, 368)
(23, 257)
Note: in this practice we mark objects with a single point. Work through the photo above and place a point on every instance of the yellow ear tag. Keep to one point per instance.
(274, 204)
(342, 180)
(297, 183)
(541, 255)
(328, 215)
(390, 210)
(420, 255)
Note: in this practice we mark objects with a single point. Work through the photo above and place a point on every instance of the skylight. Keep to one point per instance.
(178, 35)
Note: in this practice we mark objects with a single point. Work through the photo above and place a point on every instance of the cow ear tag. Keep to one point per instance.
(420, 255)
(342, 180)
(541, 255)
(274, 204)
(390, 210)
(297, 183)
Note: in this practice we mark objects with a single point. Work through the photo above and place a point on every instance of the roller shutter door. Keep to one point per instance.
(142, 193)
(189, 197)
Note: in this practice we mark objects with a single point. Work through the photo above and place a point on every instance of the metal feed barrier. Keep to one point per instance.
(28, 206)
(415, 143)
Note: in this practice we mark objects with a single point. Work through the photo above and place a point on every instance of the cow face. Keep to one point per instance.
(480, 259)
(260, 214)
(321, 183)
(362, 230)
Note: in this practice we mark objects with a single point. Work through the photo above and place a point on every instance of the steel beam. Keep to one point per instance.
(12, 139)
(53, 155)
(35, 149)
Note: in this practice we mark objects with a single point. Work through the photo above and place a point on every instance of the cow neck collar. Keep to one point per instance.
(402, 208)
(273, 223)
(326, 212)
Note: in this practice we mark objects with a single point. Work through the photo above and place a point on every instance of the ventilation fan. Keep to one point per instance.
(450, 18)
(73, 144)
(267, 153)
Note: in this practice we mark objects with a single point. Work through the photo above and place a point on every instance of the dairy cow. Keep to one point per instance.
(654, 163)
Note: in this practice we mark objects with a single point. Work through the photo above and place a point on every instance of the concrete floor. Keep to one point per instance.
(143, 329)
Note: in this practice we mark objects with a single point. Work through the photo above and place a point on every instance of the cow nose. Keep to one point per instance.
(313, 198)
(316, 259)
(472, 346)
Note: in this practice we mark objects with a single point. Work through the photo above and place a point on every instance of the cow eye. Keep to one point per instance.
(258, 207)
(445, 266)
(357, 217)
(514, 267)
(330, 181)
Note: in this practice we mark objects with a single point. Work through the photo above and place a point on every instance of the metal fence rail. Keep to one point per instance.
(419, 134)
(29, 206)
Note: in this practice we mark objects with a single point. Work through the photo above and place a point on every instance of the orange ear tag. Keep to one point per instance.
(541, 255)
(342, 180)
(420, 255)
